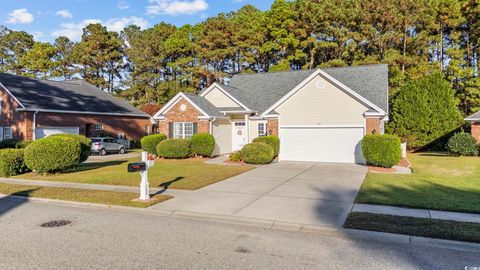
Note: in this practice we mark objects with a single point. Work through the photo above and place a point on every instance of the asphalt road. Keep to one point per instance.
(113, 239)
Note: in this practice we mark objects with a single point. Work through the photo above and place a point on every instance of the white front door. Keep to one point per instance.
(239, 135)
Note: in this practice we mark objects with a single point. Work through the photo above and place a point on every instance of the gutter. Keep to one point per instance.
(81, 112)
(34, 125)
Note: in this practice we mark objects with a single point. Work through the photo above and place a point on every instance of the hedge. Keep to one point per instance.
(235, 156)
(463, 144)
(149, 143)
(203, 144)
(8, 143)
(174, 148)
(271, 140)
(381, 150)
(257, 153)
(85, 144)
(53, 154)
(22, 144)
(12, 162)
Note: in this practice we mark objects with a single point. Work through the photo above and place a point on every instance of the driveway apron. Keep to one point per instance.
(298, 192)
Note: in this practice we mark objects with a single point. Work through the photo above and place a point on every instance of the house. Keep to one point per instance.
(474, 120)
(320, 115)
(32, 109)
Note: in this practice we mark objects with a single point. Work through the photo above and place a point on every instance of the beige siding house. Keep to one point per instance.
(320, 115)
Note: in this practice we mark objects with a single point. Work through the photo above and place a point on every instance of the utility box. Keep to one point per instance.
(137, 167)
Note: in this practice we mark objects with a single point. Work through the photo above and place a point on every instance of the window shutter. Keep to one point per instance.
(170, 130)
(195, 128)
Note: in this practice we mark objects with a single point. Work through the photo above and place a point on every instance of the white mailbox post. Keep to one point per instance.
(144, 185)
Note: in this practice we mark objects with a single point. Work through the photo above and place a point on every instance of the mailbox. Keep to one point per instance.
(137, 167)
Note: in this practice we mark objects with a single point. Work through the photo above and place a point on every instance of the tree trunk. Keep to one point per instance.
(441, 47)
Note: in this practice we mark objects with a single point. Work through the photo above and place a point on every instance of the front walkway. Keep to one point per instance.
(417, 213)
(293, 192)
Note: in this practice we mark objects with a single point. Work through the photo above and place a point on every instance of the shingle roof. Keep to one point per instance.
(77, 96)
(204, 104)
(474, 117)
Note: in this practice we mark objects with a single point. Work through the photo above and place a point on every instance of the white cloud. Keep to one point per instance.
(74, 30)
(20, 16)
(123, 5)
(176, 7)
(64, 13)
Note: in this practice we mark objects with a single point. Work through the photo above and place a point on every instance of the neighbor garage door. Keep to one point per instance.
(321, 144)
(47, 131)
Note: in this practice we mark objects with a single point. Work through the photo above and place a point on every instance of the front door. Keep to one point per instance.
(239, 135)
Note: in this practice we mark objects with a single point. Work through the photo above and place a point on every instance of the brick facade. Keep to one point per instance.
(22, 122)
(272, 125)
(476, 131)
(373, 126)
(191, 114)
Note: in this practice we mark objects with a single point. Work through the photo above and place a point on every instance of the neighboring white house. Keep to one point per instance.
(320, 115)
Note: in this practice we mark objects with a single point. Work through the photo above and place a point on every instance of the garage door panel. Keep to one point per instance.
(322, 144)
(47, 131)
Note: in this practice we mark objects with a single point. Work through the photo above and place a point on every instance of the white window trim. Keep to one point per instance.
(265, 129)
(183, 135)
(10, 133)
(95, 127)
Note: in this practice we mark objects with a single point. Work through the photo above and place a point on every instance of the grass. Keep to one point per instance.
(439, 182)
(80, 195)
(190, 174)
(434, 228)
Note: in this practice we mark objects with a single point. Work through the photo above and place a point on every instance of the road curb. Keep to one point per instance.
(268, 224)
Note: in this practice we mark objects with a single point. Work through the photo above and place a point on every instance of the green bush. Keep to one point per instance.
(8, 143)
(463, 144)
(381, 150)
(424, 110)
(53, 154)
(12, 162)
(271, 140)
(203, 144)
(149, 143)
(22, 144)
(235, 156)
(257, 153)
(174, 148)
(85, 144)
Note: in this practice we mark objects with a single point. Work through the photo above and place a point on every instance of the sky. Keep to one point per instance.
(48, 19)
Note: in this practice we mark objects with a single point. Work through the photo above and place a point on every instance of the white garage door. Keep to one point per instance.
(322, 144)
(47, 131)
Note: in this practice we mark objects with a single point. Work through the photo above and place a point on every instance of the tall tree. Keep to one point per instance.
(38, 61)
(64, 58)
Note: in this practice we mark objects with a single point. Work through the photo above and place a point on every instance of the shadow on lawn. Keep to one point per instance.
(14, 200)
(167, 184)
(97, 165)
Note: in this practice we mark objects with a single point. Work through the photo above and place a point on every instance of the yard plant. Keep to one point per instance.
(202, 144)
(463, 144)
(149, 143)
(12, 162)
(85, 144)
(271, 140)
(381, 150)
(53, 154)
(257, 153)
(174, 148)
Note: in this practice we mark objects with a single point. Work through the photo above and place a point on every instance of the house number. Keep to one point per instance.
(239, 132)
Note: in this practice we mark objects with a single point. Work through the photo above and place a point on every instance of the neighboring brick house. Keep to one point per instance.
(474, 120)
(32, 109)
(319, 115)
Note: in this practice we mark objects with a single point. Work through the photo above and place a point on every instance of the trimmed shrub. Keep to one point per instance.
(22, 144)
(463, 144)
(271, 140)
(149, 143)
(53, 154)
(174, 148)
(8, 143)
(12, 162)
(235, 156)
(257, 153)
(382, 150)
(203, 144)
(85, 144)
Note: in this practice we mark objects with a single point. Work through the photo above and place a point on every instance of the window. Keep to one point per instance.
(7, 133)
(98, 127)
(239, 124)
(183, 130)
(262, 129)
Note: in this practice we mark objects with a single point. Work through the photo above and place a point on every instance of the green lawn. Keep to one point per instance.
(439, 181)
(436, 228)
(187, 174)
(80, 195)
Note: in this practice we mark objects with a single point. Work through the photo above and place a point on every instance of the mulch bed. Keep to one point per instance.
(403, 163)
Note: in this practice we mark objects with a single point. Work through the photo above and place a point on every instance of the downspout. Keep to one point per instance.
(211, 125)
(34, 125)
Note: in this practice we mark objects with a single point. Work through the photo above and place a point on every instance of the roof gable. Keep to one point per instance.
(71, 96)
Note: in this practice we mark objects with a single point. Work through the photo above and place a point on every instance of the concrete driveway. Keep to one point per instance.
(298, 192)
